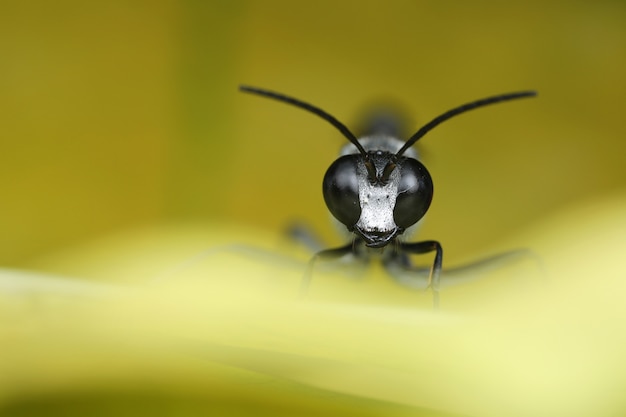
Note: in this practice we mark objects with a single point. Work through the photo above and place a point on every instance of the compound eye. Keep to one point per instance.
(415, 192)
(341, 190)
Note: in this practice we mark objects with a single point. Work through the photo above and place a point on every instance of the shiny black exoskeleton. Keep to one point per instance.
(378, 189)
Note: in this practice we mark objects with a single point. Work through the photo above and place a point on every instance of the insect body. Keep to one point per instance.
(378, 189)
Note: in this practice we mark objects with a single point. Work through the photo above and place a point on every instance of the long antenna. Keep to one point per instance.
(309, 107)
(462, 109)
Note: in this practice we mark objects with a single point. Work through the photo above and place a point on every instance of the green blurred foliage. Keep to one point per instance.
(126, 113)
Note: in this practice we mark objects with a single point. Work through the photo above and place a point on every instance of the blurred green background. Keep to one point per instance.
(125, 114)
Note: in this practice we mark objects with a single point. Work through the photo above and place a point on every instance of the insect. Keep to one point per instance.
(378, 189)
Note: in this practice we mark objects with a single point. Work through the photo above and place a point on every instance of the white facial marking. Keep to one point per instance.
(377, 203)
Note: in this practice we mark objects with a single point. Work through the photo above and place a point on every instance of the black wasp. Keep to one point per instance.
(378, 189)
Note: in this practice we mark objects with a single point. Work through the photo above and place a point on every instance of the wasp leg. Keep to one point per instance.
(325, 254)
(435, 270)
(304, 236)
(405, 273)
(478, 269)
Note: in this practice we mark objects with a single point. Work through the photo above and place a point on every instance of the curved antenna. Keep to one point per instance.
(309, 107)
(462, 109)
